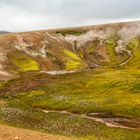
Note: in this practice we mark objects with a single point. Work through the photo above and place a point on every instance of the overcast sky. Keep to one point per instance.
(24, 15)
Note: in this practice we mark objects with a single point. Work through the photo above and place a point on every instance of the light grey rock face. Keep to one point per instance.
(90, 35)
(122, 48)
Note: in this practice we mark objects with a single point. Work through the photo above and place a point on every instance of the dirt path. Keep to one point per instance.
(12, 133)
(110, 121)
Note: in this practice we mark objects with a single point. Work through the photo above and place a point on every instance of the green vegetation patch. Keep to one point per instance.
(72, 65)
(134, 46)
(91, 50)
(111, 43)
(21, 115)
(70, 32)
(72, 55)
(34, 93)
(101, 90)
(22, 62)
(73, 61)
(116, 59)
(91, 46)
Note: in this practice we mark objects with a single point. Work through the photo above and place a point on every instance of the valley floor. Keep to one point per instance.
(102, 104)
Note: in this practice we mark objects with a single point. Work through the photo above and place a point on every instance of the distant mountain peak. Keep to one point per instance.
(4, 32)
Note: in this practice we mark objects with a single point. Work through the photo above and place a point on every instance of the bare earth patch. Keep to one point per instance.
(12, 133)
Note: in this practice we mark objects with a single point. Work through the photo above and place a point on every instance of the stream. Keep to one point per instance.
(112, 121)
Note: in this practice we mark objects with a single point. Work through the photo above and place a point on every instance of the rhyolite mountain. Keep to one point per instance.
(70, 49)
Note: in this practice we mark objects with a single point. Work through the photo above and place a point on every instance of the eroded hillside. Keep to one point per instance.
(114, 45)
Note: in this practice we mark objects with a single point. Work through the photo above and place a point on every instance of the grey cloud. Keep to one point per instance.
(20, 15)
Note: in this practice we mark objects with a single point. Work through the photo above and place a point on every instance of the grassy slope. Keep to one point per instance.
(20, 115)
(111, 91)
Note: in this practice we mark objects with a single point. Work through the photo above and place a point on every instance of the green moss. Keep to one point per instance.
(70, 32)
(80, 54)
(32, 93)
(90, 50)
(134, 47)
(111, 44)
(136, 87)
(72, 55)
(22, 62)
(73, 61)
(133, 44)
(91, 46)
(72, 64)
(115, 59)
